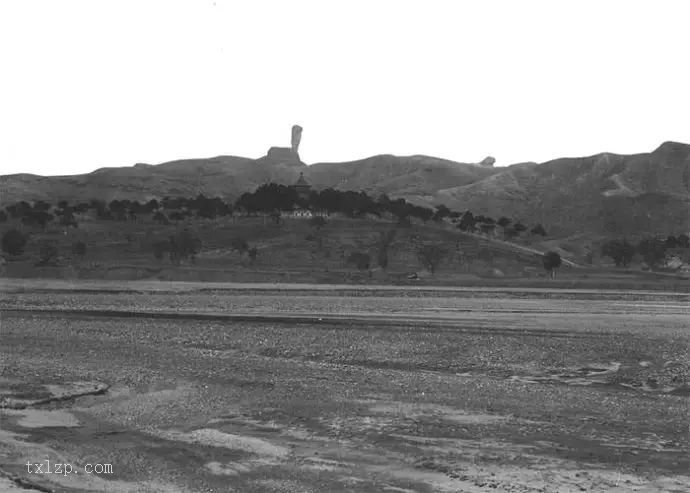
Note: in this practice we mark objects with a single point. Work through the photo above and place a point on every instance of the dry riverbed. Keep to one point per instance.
(576, 396)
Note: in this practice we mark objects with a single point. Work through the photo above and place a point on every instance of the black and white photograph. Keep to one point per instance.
(376, 246)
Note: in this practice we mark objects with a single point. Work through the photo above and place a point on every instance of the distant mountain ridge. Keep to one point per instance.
(602, 193)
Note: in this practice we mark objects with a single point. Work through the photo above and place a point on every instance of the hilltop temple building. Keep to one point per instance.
(302, 187)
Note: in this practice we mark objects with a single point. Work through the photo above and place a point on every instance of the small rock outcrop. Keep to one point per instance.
(287, 155)
(283, 155)
(488, 162)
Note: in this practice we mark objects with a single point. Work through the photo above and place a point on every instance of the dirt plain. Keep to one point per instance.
(333, 390)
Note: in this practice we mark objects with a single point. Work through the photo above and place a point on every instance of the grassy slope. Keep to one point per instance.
(122, 250)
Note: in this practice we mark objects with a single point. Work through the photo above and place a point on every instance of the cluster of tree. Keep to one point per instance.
(179, 247)
(166, 210)
(30, 215)
(486, 225)
(270, 198)
(40, 213)
(14, 243)
(241, 246)
(184, 246)
(273, 197)
(653, 250)
(429, 255)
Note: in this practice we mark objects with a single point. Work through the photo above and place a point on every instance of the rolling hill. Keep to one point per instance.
(609, 193)
(605, 193)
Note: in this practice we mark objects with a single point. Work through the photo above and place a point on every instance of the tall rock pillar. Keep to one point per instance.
(296, 137)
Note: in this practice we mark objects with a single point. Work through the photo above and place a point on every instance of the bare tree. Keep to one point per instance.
(385, 241)
(431, 256)
(253, 252)
(318, 223)
(551, 261)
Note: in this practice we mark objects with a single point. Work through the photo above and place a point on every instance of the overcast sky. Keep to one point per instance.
(87, 84)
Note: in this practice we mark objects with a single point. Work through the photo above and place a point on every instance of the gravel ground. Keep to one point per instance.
(197, 405)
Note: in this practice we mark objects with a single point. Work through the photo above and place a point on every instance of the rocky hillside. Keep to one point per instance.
(609, 193)
(604, 193)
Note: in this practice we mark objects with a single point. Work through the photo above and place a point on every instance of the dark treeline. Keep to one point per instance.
(269, 199)
(266, 199)
(273, 197)
(653, 250)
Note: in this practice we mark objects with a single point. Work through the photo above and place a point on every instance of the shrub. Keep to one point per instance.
(186, 245)
(317, 222)
(382, 258)
(79, 248)
(510, 233)
(177, 216)
(683, 241)
(13, 242)
(653, 251)
(487, 228)
(538, 230)
(519, 227)
(467, 222)
(253, 252)
(404, 222)
(160, 218)
(620, 251)
(240, 245)
(360, 260)
(160, 248)
(503, 222)
(47, 253)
